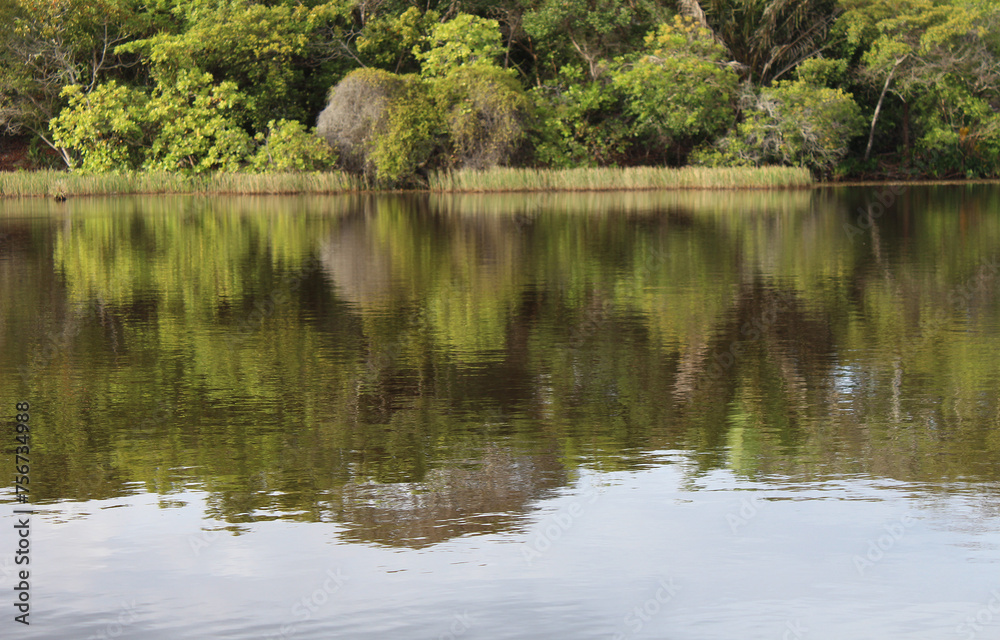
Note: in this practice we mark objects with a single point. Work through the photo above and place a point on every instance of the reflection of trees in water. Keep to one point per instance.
(596, 331)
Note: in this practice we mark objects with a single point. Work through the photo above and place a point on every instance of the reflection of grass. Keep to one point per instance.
(608, 178)
(52, 183)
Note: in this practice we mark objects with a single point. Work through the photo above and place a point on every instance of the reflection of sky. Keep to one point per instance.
(746, 559)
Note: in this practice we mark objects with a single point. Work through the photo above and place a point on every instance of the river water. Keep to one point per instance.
(683, 415)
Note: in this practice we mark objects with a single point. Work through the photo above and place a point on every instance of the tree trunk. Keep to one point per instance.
(878, 107)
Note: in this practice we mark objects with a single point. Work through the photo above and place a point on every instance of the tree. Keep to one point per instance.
(102, 130)
(591, 31)
(768, 38)
(46, 46)
(463, 41)
(793, 123)
(198, 125)
(943, 54)
(268, 52)
(679, 87)
(388, 41)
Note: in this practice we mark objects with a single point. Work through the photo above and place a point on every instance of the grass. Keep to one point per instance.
(60, 184)
(629, 179)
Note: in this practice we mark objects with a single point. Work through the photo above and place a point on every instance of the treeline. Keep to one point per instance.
(858, 88)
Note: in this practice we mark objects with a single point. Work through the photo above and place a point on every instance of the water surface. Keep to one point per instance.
(671, 415)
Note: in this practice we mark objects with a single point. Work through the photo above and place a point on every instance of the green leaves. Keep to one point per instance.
(105, 128)
(290, 146)
(463, 41)
(679, 87)
(792, 123)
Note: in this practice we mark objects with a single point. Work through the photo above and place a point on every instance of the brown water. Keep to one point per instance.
(676, 415)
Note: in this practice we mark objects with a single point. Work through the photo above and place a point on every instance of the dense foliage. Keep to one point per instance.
(862, 87)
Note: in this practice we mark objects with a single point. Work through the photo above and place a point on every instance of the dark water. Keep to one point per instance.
(677, 415)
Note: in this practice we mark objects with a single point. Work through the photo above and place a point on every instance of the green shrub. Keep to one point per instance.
(289, 146)
(791, 123)
(680, 88)
(103, 129)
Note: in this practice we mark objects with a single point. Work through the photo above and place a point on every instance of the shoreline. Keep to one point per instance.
(61, 185)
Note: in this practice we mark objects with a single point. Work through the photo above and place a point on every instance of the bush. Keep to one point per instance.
(102, 129)
(578, 122)
(380, 124)
(289, 146)
(485, 111)
(791, 123)
(197, 124)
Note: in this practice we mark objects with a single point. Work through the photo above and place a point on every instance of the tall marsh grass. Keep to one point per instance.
(63, 184)
(630, 178)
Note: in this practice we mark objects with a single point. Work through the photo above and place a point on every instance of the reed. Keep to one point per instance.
(611, 178)
(60, 184)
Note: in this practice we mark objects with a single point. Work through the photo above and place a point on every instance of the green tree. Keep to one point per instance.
(197, 125)
(388, 41)
(939, 57)
(270, 52)
(46, 46)
(768, 37)
(792, 123)
(680, 87)
(463, 41)
(580, 122)
(561, 32)
(104, 129)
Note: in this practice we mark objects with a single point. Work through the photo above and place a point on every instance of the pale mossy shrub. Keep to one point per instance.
(379, 124)
(486, 112)
(289, 146)
(792, 123)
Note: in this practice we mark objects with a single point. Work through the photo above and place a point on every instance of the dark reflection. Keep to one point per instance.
(419, 368)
